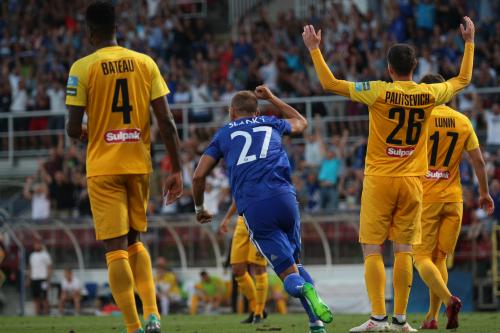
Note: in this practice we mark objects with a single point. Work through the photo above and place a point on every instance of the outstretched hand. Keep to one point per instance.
(204, 217)
(468, 31)
(312, 39)
(487, 204)
(173, 187)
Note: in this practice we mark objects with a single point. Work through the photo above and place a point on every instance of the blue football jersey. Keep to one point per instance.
(257, 164)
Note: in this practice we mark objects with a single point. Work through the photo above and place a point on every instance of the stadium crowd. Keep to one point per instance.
(201, 66)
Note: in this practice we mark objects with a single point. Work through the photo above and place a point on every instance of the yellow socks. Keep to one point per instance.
(193, 307)
(121, 282)
(247, 287)
(432, 277)
(281, 306)
(402, 280)
(435, 300)
(375, 283)
(140, 262)
(261, 287)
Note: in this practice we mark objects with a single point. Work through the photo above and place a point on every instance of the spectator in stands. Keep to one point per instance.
(167, 287)
(210, 290)
(493, 125)
(40, 272)
(38, 194)
(71, 290)
(328, 177)
(62, 193)
(57, 96)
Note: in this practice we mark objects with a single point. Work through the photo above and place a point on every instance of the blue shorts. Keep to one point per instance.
(274, 228)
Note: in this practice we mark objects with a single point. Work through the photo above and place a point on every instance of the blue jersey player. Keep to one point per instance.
(259, 174)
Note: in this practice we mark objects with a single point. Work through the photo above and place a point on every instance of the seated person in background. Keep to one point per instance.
(70, 291)
(210, 290)
(166, 285)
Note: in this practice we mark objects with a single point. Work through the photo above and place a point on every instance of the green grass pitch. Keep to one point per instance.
(292, 323)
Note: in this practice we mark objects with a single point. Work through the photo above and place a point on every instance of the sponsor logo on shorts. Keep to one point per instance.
(123, 135)
(399, 152)
(437, 174)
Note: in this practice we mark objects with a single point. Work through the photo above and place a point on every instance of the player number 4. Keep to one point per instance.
(244, 158)
(121, 88)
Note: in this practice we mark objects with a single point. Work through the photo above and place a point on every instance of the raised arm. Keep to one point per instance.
(328, 81)
(485, 200)
(445, 91)
(296, 120)
(173, 184)
(465, 75)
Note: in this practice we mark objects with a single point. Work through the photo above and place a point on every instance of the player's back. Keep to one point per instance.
(450, 134)
(116, 85)
(257, 164)
(399, 112)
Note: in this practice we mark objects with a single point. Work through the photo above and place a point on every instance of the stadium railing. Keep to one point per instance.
(332, 114)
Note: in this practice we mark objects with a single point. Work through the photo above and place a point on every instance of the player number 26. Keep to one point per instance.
(244, 157)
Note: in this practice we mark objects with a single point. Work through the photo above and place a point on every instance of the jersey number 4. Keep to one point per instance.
(435, 143)
(413, 130)
(121, 88)
(244, 158)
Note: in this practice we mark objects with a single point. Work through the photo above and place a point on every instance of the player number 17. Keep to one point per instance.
(244, 158)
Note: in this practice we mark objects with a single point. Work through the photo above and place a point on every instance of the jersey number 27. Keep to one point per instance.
(244, 157)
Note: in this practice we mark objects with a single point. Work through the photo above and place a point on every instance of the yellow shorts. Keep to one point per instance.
(441, 222)
(118, 202)
(391, 208)
(242, 249)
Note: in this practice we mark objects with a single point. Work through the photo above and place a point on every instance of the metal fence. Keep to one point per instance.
(332, 114)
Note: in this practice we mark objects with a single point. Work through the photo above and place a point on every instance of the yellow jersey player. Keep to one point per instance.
(244, 255)
(391, 203)
(450, 134)
(115, 87)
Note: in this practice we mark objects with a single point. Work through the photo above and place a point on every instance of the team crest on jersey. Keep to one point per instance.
(72, 81)
(72, 85)
(399, 152)
(123, 135)
(437, 174)
(362, 86)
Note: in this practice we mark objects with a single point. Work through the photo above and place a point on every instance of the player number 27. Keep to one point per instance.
(244, 158)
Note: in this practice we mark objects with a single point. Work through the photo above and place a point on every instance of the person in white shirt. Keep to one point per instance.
(71, 289)
(38, 193)
(57, 97)
(40, 271)
(493, 125)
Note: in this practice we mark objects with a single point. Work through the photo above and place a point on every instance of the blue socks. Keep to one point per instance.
(293, 285)
(305, 275)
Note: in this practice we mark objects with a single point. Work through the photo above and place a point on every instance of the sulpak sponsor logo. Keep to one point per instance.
(399, 152)
(437, 174)
(123, 135)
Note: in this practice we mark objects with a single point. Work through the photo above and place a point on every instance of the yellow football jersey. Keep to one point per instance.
(116, 85)
(450, 134)
(399, 112)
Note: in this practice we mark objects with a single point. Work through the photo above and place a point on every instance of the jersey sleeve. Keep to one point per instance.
(76, 88)
(282, 126)
(443, 92)
(158, 86)
(472, 141)
(213, 148)
(365, 92)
